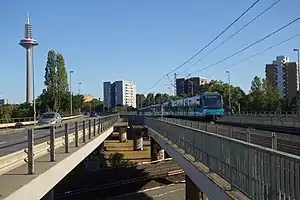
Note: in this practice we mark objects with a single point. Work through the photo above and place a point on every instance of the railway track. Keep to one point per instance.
(289, 143)
(115, 185)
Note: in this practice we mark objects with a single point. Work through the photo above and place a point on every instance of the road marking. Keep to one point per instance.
(2, 142)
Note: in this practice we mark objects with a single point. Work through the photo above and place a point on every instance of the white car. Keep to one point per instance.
(50, 118)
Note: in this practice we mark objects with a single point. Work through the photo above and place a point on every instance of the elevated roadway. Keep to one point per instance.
(226, 168)
(14, 141)
(219, 166)
(47, 170)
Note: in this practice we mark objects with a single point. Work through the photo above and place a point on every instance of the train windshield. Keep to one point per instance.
(212, 101)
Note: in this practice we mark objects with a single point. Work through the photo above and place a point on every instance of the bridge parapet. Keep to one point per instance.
(235, 166)
(49, 162)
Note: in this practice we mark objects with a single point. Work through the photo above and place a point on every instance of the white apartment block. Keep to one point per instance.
(121, 93)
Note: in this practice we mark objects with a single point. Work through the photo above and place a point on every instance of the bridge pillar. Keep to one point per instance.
(192, 192)
(157, 153)
(102, 147)
(122, 134)
(137, 133)
(49, 195)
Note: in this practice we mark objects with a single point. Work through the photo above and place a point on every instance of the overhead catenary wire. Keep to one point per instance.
(247, 47)
(238, 31)
(214, 39)
(263, 51)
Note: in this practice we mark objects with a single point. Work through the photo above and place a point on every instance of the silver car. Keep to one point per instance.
(50, 118)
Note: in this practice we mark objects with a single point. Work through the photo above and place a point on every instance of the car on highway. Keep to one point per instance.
(50, 118)
(93, 114)
(228, 111)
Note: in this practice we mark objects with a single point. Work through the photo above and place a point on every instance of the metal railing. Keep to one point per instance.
(16, 120)
(23, 119)
(268, 113)
(275, 140)
(259, 172)
(265, 120)
(85, 129)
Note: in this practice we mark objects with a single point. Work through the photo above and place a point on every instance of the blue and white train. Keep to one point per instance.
(207, 106)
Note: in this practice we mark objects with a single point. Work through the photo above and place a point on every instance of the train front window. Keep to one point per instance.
(213, 102)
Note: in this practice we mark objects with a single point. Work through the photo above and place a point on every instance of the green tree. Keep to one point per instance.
(271, 97)
(256, 84)
(158, 98)
(118, 159)
(140, 98)
(256, 95)
(50, 81)
(149, 99)
(61, 80)
(295, 104)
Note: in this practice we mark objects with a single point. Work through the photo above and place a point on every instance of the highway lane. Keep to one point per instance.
(10, 143)
(169, 192)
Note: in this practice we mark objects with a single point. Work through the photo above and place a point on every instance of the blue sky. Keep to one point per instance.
(139, 40)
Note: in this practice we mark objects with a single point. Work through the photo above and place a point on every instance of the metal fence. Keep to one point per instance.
(268, 113)
(289, 121)
(275, 140)
(16, 120)
(88, 129)
(259, 172)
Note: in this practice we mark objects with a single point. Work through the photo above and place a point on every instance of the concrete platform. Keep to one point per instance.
(120, 124)
(40, 181)
(114, 146)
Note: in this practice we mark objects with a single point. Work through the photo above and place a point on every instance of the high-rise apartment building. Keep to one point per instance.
(180, 89)
(119, 93)
(3, 101)
(107, 94)
(190, 86)
(284, 75)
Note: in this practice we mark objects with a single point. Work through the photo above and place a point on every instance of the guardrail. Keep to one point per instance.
(25, 123)
(93, 127)
(271, 139)
(15, 120)
(262, 113)
(263, 120)
(260, 172)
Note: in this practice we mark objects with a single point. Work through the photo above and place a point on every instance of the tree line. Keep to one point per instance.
(261, 97)
(54, 97)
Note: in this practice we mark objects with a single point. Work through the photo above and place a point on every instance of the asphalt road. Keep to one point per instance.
(170, 192)
(13, 142)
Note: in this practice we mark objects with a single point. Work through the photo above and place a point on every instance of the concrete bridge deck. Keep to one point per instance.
(20, 185)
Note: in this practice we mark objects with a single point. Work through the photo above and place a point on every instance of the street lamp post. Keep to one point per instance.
(79, 84)
(71, 106)
(297, 50)
(229, 93)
